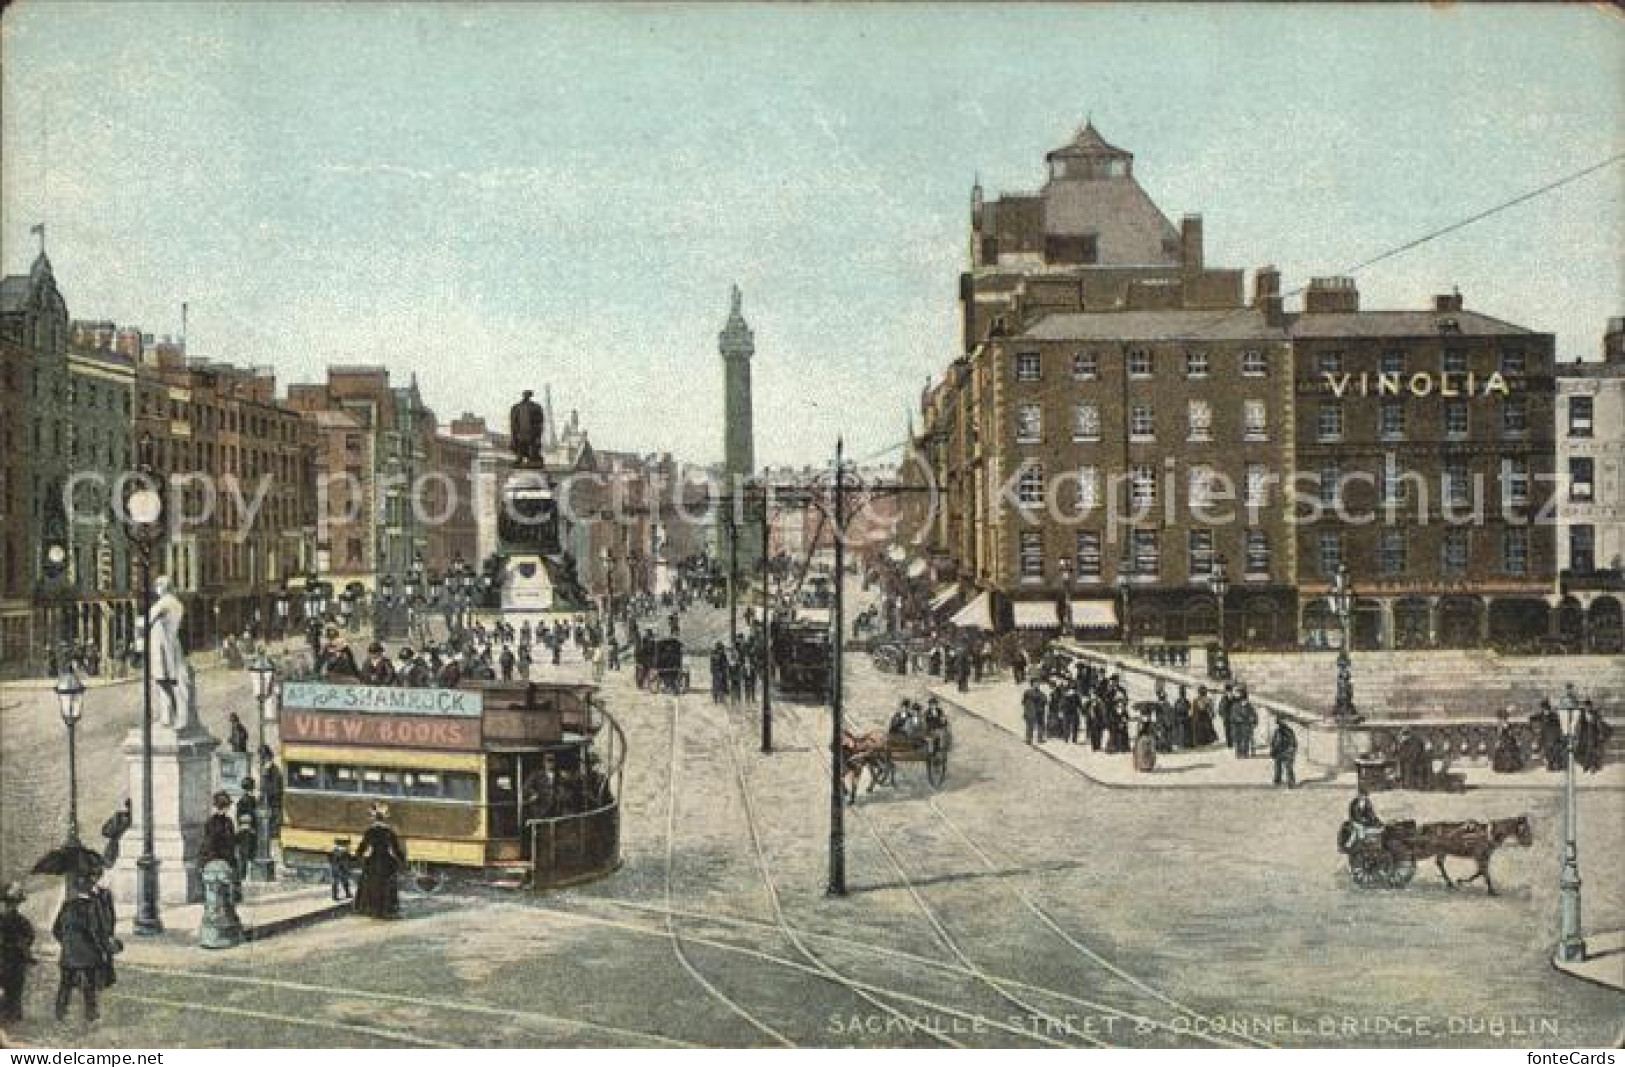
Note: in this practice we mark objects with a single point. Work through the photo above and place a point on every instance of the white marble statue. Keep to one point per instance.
(174, 704)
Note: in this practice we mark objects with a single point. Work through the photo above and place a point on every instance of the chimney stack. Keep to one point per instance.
(1190, 244)
(1266, 283)
(1450, 301)
(1331, 296)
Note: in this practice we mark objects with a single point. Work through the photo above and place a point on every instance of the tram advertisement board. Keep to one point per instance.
(382, 731)
(322, 696)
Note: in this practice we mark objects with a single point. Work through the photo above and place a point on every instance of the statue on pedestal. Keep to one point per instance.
(174, 701)
(525, 425)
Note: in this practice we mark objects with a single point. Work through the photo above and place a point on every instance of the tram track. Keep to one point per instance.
(208, 1002)
(671, 926)
(947, 940)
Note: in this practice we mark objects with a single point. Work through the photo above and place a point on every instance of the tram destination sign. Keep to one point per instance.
(382, 700)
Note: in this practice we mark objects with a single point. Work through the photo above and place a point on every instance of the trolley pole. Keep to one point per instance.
(837, 798)
(765, 673)
(733, 574)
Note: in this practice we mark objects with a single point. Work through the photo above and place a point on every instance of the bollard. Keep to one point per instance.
(221, 926)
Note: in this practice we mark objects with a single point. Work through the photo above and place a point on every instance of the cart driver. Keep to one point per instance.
(1362, 813)
(934, 718)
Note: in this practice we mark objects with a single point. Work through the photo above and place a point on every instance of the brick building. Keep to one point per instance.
(1591, 502)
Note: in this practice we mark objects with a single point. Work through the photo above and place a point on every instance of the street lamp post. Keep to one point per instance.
(144, 514)
(766, 670)
(70, 695)
(1064, 615)
(1219, 581)
(264, 672)
(608, 559)
(1344, 710)
(1571, 946)
(1125, 582)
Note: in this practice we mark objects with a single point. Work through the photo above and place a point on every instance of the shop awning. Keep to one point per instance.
(977, 614)
(1094, 614)
(944, 597)
(1034, 614)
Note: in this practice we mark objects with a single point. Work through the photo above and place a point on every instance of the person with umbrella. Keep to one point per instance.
(16, 952)
(86, 950)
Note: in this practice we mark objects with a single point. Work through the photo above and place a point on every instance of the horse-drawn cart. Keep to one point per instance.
(930, 748)
(667, 671)
(1386, 855)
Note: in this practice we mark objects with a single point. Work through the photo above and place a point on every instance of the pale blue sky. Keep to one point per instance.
(500, 196)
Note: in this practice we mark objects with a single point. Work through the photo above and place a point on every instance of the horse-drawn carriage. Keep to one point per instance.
(880, 752)
(667, 671)
(801, 660)
(1386, 854)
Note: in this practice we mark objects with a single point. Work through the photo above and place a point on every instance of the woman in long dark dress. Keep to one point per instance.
(382, 856)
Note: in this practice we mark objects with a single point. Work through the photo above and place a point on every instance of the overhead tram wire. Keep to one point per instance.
(1391, 253)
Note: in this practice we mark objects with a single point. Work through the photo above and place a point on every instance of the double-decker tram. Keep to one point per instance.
(501, 781)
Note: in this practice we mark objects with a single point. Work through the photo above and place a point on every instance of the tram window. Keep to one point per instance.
(422, 784)
(341, 780)
(461, 787)
(306, 775)
(387, 783)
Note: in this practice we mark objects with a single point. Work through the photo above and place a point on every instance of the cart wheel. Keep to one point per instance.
(936, 770)
(426, 881)
(1370, 868)
(1400, 872)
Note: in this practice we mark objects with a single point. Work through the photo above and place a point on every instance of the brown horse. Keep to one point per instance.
(857, 754)
(1471, 840)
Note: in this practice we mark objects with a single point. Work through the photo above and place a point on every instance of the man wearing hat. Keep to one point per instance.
(86, 949)
(1032, 711)
(16, 952)
(377, 670)
(1245, 720)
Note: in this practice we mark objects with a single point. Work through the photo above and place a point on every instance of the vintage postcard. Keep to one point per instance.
(755, 526)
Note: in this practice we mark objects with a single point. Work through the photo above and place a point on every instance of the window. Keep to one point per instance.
(1393, 362)
(1254, 364)
(1582, 470)
(1028, 367)
(1086, 366)
(1199, 419)
(1086, 422)
(1329, 421)
(1032, 555)
(1331, 475)
(1455, 361)
(1331, 552)
(1395, 489)
(1029, 424)
(1196, 364)
(1258, 554)
(1329, 362)
(1512, 361)
(1582, 548)
(1514, 417)
(1257, 485)
(1456, 421)
(1201, 554)
(1141, 424)
(1087, 565)
(1391, 421)
(1088, 489)
(1144, 486)
(1139, 363)
(1580, 414)
(1515, 480)
(1457, 483)
(1201, 487)
(1391, 553)
(1457, 545)
(1255, 420)
(1147, 554)
(1030, 485)
(1515, 550)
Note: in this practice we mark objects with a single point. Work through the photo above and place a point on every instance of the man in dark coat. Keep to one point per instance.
(508, 662)
(1071, 713)
(1591, 734)
(236, 734)
(1549, 736)
(1245, 719)
(719, 674)
(1411, 755)
(1284, 751)
(86, 947)
(271, 786)
(1181, 737)
(377, 670)
(1032, 712)
(382, 857)
(1226, 713)
(248, 829)
(117, 825)
(16, 953)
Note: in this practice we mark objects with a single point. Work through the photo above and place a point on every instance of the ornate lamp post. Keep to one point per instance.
(1571, 947)
(282, 615)
(70, 695)
(144, 515)
(1344, 710)
(264, 675)
(386, 600)
(1064, 616)
(1219, 582)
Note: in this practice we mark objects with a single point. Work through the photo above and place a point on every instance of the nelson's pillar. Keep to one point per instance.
(738, 540)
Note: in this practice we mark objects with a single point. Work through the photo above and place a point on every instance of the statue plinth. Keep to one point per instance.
(182, 785)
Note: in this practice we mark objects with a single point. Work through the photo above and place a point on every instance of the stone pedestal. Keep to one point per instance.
(527, 588)
(182, 783)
